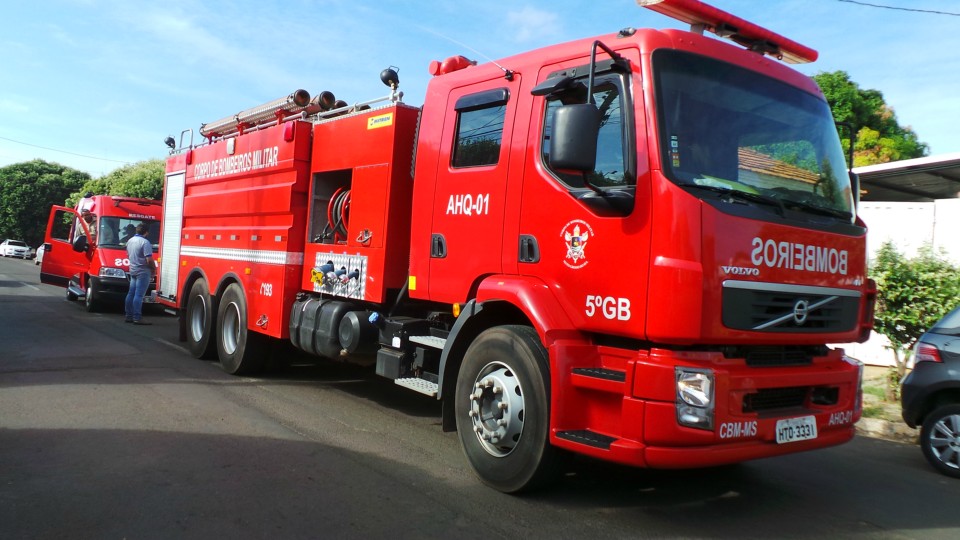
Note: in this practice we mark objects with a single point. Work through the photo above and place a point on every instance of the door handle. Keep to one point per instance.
(529, 249)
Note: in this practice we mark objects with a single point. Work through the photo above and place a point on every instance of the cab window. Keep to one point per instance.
(479, 134)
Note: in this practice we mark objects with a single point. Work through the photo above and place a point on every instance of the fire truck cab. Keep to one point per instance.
(85, 247)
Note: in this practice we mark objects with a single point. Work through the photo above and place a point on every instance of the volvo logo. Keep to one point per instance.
(800, 311)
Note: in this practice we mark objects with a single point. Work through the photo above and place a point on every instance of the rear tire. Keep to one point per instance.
(240, 350)
(940, 439)
(502, 407)
(199, 316)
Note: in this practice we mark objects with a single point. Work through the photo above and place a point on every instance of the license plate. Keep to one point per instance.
(790, 430)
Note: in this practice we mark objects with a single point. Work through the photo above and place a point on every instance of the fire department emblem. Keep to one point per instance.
(575, 235)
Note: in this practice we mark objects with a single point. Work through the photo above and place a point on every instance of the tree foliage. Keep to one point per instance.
(880, 138)
(914, 293)
(143, 179)
(27, 190)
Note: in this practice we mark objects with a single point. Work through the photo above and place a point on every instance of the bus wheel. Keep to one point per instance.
(240, 351)
(199, 318)
(502, 407)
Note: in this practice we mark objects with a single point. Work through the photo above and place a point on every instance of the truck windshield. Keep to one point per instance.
(725, 128)
(115, 231)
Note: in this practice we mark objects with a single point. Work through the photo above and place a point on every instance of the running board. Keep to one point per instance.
(77, 291)
(603, 379)
(588, 438)
(419, 385)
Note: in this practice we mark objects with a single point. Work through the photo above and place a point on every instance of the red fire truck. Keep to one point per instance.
(634, 247)
(85, 247)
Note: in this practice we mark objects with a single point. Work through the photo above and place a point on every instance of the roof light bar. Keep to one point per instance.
(701, 16)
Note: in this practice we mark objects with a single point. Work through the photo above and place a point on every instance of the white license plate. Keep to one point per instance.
(790, 430)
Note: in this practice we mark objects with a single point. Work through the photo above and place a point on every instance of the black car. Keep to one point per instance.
(930, 396)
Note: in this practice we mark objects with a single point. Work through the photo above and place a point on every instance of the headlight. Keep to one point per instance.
(695, 397)
(113, 273)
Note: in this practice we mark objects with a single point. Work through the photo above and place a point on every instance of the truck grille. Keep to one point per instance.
(777, 356)
(772, 307)
(769, 399)
(775, 398)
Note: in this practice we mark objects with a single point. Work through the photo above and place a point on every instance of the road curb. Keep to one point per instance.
(884, 429)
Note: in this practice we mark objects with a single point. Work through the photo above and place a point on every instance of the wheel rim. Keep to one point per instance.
(496, 409)
(198, 317)
(945, 441)
(231, 328)
(88, 299)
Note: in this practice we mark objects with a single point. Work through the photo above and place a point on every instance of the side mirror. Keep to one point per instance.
(573, 137)
(80, 245)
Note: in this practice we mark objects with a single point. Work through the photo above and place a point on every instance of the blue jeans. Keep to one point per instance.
(133, 306)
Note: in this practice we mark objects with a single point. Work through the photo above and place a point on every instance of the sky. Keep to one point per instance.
(98, 84)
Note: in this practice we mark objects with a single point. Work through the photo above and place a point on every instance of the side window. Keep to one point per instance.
(611, 159)
(63, 225)
(480, 119)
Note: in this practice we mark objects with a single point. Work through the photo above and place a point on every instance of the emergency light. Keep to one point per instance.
(702, 17)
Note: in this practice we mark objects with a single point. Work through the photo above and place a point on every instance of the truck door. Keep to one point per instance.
(592, 229)
(60, 261)
(467, 238)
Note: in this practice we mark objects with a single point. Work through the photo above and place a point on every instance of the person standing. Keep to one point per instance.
(142, 267)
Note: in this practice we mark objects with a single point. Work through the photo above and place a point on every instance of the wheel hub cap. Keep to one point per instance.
(496, 409)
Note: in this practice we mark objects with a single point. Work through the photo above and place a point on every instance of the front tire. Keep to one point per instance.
(502, 407)
(91, 300)
(241, 351)
(940, 439)
(201, 308)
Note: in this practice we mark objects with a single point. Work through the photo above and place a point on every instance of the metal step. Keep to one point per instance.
(602, 373)
(587, 437)
(429, 341)
(419, 385)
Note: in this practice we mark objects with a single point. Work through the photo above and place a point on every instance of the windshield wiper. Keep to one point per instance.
(815, 209)
(742, 195)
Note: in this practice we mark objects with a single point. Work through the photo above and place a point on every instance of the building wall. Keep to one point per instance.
(909, 225)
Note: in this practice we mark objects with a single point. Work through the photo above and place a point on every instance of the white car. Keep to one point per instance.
(14, 248)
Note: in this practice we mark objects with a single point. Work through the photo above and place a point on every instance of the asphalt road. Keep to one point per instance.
(108, 430)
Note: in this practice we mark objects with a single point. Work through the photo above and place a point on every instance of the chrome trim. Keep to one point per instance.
(791, 289)
(792, 314)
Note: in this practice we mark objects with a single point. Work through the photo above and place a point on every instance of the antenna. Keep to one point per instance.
(507, 74)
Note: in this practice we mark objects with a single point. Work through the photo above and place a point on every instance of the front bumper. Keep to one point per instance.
(115, 289)
(636, 419)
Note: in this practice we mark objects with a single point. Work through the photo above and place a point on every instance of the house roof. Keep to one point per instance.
(761, 163)
(922, 179)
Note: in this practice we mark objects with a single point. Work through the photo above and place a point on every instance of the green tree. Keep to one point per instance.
(143, 179)
(27, 190)
(880, 138)
(914, 293)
